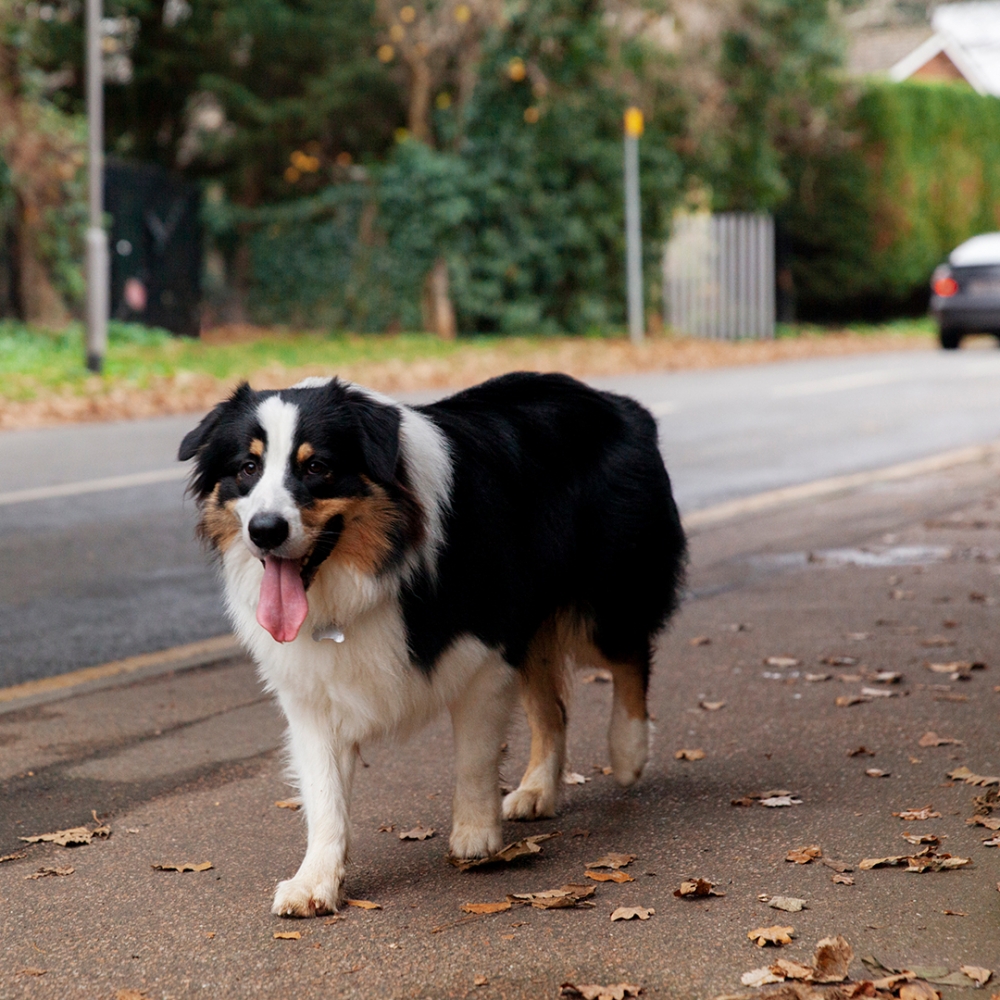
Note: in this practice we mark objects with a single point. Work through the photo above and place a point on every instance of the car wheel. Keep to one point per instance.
(950, 339)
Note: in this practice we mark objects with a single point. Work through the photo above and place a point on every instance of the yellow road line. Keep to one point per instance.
(838, 484)
(207, 649)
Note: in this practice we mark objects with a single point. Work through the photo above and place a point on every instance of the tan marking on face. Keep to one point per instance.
(305, 452)
(315, 516)
(219, 524)
(257, 448)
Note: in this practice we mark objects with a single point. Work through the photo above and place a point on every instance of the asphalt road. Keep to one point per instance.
(187, 768)
(95, 576)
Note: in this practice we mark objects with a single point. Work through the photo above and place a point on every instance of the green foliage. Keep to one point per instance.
(870, 221)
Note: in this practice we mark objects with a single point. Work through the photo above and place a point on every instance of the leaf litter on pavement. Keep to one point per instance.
(614, 861)
(417, 833)
(776, 935)
(518, 849)
(184, 866)
(73, 837)
(632, 913)
(697, 888)
(830, 964)
(803, 855)
(46, 872)
(592, 991)
(566, 897)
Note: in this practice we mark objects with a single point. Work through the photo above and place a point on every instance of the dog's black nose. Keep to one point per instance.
(268, 531)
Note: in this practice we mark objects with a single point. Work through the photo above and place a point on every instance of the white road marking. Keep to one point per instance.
(94, 485)
(663, 408)
(840, 383)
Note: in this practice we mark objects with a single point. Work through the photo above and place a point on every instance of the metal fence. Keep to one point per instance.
(718, 276)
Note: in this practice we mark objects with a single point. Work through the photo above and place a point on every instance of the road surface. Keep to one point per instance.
(96, 576)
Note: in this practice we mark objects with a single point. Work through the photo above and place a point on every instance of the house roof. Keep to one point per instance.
(968, 34)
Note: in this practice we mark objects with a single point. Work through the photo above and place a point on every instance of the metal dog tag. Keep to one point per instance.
(330, 632)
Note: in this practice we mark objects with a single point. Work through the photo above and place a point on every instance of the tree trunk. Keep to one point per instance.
(40, 302)
(439, 313)
(418, 114)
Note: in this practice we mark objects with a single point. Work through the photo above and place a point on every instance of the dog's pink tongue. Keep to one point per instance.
(282, 607)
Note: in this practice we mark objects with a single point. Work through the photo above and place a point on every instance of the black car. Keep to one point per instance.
(966, 291)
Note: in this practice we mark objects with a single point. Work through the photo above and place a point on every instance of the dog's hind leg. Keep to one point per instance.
(544, 696)
(479, 718)
(629, 731)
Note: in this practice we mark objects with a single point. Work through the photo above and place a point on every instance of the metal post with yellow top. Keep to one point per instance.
(633, 227)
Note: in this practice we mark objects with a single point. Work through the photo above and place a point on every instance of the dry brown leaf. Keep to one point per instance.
(610, 876)
(778, 801)
(696, 754)
(563, 898)
(520, 848)
(130, 995)
(921, 838)
(30, 970)
(955, 913)
(783, 662)
(932, 739)
(918, 990)
(711, 706)
(836, 865)
(792, 970)
(925, 812)
(790, 904)
(386, 828)
(591, 991)
(775, 935)
(861, 751)
(186, 866)
(977, 973)
(839, 661)
(816, 678)
(364, 904)
(73, 837)
(839, 879)
(13, 857)
(697, 887)
(846, 700)
(480, 981)
(46, 872)
(417, 833)
(500, 907)
(573, 778)
(803, 855)
(293, 804)
(886, 677)
(744, 800)
(632, 913)
(288, 935)
(761, 977)
(990, 822)
(615, 861)
(831, 959)
(870, 692)
(700, 640)
(877, 772)
(964, 774)
(937, 642)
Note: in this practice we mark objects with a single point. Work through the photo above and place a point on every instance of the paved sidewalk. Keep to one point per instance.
(187, 768)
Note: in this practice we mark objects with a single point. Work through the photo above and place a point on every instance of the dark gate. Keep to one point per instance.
(155, 244)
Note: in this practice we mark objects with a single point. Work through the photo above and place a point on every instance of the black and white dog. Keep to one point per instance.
(384, 561)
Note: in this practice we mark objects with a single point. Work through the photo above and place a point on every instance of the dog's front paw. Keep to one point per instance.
(468, 841)
(529, 802)
(306, 897)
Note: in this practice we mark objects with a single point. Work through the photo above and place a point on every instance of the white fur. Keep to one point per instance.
(270, 495)
(538, 793)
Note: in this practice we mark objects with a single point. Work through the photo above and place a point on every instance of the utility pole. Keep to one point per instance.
(633, 229)
(97, 239)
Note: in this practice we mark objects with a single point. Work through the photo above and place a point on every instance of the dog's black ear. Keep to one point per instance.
(378, 425)
(195, 440)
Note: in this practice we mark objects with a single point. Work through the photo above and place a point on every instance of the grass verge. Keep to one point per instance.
(149, 372)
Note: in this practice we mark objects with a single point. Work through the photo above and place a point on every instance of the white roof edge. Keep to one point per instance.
(939, 42)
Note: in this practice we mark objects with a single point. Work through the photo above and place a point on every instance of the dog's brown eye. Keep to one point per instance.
(248, 469)
(314, 467)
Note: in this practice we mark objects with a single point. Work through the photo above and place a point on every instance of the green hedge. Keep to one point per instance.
(918, 173)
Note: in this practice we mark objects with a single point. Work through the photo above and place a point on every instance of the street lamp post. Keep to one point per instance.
(633, 229)
(97, 238)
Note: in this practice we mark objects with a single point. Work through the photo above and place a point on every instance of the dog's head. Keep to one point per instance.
(297, 477)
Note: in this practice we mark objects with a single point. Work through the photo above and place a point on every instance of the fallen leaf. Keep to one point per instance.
(689, 755)
(775, 935)
(839, 879)
(977, 974)
(591, 991)
(990, 822)
(861, 752)
(45, 872)
(73, 837)
(615, 861)
(13, 857)
(923, 861)
(933, 740)
(564, 898)
(993, 842)
(364, 904)
(964, 774)
(849, 678)
(599, 676)
(838, 661)
(130, 995)
(803, 855)
(518, 849)
(573, 778)
(700, 640)
(887, 677)
(761, 977)
(816, 678)
(831, 959)
(784, 662)
(955, 913)
(417, 833)
(918, 990)
(875, 772)
(632, 913)
(499, 907)
(925, 812)
(610, 876)
(30, 970)
(778, 801)
(386, 828)
(294, 804)
(697, 887)
(480, 981)
(837, 866)
(921, 838)
(792, 970)
(711, 706)
(744, 800)
(937, 642)
(288, 935)
(787, 903)
(846, 700)
(870, 692)
(186, 866)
